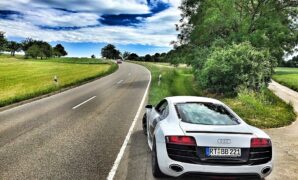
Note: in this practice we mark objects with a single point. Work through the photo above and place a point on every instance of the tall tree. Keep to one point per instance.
(110, 52)
(37, 49)
(268, 24)
(133, 57)
(34, 51)
(293, 62)
(14, 47)
(59, 50)
(3, 41)
(46, 49)
(125, 55)
(148, 57)
(27, 43)
(156, 57)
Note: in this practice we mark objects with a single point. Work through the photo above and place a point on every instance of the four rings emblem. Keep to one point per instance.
(224, 141)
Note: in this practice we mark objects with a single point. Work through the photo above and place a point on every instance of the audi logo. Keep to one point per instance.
(224, 141)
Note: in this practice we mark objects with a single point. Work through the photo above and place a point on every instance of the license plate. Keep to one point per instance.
(223, 152)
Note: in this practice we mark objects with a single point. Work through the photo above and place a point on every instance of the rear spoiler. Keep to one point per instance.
(220, 132)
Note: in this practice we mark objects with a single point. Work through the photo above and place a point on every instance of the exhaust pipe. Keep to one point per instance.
(176, 167)
(266, 170)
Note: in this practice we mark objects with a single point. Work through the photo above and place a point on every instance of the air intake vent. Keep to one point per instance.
(260, 155)
(183, 153)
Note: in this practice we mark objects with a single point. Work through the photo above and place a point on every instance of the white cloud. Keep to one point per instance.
(163, 23)
(157, 30)
(174, 3)
(53, 17)
(109, 34)
(95, 6)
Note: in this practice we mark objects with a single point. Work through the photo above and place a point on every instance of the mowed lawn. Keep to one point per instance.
(264, 109)
(23, 79)
(287, 77)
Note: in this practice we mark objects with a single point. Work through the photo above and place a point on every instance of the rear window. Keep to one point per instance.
(205, 114)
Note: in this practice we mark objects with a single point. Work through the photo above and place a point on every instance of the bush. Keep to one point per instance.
(226, 69)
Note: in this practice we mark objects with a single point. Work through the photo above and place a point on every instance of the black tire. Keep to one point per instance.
(155, 167)
(144, 121)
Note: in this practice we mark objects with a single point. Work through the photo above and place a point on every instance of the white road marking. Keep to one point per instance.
(84, 102)
(121, 152)
(119, 82)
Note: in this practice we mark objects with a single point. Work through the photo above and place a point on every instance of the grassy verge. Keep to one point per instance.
(264, 110)
(23, 79)
(287, 77)
(174, 82)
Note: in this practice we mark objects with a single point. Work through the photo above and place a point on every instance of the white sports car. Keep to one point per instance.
(202, 136)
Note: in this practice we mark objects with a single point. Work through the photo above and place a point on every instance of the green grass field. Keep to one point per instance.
(23, 79)
(264, 109)
(287, 77)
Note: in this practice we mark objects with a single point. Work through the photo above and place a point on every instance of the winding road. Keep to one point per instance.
(76, 134)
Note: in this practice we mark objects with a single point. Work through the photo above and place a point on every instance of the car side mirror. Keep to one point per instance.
(149, 106)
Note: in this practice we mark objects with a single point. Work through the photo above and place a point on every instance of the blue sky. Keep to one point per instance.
(85, 26)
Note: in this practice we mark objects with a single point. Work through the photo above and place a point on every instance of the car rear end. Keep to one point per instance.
(119, 61)
(194, 156)
(216, 150)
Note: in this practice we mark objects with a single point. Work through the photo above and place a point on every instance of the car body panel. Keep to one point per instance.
(205, 135)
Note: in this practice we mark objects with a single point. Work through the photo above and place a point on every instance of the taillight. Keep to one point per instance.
(182, 140)
(260, 142)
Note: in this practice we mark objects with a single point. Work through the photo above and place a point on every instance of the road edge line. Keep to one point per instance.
(127, 138)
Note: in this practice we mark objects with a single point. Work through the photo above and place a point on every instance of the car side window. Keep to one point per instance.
(160, 106)
(163, 109)
(165, 112)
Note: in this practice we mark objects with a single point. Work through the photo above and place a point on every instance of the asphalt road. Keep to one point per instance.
(75, 134)
(136, 161)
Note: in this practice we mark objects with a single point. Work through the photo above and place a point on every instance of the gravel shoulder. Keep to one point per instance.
(285, 144)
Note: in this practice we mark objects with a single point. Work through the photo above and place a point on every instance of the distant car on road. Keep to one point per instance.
(119, 61)
(203, 136)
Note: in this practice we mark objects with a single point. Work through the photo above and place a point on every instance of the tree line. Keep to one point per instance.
(110, 52)
(291, 63)
(32, 48)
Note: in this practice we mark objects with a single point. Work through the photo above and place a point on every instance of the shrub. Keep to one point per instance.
(226, 69)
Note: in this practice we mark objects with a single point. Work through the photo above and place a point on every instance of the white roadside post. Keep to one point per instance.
(159, 79)
(56, 80)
